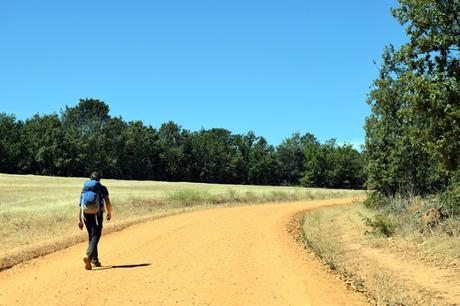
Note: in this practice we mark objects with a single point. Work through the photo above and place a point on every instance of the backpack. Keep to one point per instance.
(91, 198)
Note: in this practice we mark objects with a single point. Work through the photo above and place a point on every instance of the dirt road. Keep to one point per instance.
(224, 256)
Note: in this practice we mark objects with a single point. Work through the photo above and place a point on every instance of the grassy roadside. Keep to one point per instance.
(38, 215)
(410, 268)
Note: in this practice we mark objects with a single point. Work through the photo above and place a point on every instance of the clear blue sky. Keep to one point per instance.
(274, 67)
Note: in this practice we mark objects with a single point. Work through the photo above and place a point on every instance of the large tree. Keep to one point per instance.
(291, 157)
(413, 133)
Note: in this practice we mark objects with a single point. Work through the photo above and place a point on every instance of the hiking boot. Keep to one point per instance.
(87, 262)
(97, 263)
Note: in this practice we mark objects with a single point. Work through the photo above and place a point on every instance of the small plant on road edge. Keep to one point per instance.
(381, 223)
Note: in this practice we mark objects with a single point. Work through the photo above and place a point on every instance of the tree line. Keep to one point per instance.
(412, 144)
(86, 137)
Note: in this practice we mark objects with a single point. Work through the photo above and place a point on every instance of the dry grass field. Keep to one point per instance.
(409, 268)
(38, 214)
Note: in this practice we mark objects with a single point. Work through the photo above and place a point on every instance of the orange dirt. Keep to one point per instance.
(224, 256)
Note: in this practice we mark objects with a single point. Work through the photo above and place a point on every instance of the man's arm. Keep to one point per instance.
(80, 221)
(108, 204)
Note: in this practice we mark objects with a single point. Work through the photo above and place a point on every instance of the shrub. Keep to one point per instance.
(381, 223)
(376, 200)
(450, 200)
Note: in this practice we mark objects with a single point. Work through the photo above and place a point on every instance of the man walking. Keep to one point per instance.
(93, 201)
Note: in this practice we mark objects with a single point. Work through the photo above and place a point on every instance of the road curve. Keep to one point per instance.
(223, 256)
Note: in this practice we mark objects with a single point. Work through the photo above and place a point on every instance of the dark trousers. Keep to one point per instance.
(94, 233)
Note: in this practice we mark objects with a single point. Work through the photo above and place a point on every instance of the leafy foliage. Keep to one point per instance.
(413, 134)
(376, 200)
(381, 223)
(85, 137)
(331, 166)
(450, 200)
(10, 143)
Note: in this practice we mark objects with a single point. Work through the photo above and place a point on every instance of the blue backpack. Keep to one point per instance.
(91, 198)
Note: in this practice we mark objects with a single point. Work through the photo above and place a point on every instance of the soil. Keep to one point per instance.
(223, 256)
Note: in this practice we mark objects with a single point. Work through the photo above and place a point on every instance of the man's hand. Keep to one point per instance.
(80, 225)
(109, 216)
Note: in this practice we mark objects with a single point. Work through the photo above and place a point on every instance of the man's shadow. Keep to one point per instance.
(122, 266)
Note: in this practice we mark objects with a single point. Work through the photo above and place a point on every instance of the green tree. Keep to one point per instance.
(291, 157)
(139, 155)
(332, 166)
(263, 164)
(89, 116)
(413, 133)
(433, 72)
(45, 148)
(113, 143)
(171, 151)
(10, 151)
(84, 126)
(213, 152)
